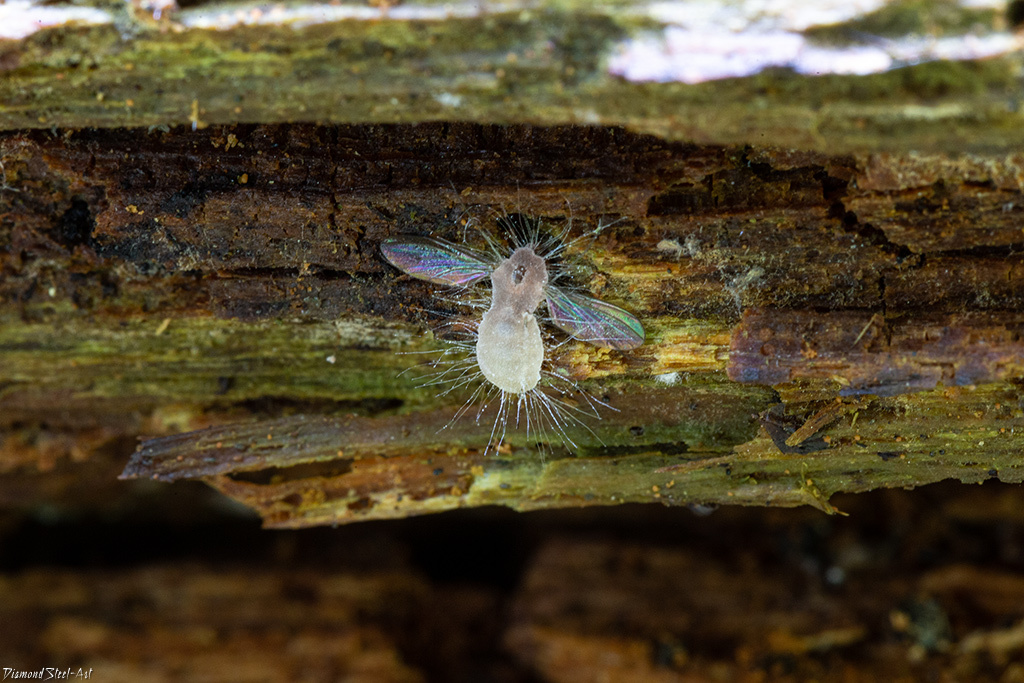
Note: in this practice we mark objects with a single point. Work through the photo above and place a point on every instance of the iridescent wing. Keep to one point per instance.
(594, 321)
(435, 260)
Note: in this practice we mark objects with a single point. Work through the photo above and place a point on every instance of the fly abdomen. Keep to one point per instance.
(509, 349)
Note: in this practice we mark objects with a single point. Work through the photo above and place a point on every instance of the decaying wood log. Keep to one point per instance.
(196, 294)
(879, 75)
(815, 212)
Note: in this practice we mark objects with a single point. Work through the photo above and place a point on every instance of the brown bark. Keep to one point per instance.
(150, 294)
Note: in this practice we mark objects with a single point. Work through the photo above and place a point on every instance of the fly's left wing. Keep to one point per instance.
(594, 321)
(435, 260)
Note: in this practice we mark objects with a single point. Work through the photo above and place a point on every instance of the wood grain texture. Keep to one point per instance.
(154, 289)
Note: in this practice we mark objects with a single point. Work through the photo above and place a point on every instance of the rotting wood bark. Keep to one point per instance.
(551, 62)
(157, 282)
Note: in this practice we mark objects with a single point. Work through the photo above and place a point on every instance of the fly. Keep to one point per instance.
(509, 348)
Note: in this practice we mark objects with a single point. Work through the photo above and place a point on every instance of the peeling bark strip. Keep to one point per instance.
(864, 354)
(304, 470)
(299, 472)
(681, 416)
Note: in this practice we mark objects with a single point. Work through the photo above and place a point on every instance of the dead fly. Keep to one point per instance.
(509, 349)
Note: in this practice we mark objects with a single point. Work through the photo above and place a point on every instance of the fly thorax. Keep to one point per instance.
(509, 349)
(518, 282)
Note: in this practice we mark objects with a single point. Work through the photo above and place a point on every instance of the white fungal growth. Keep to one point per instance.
(509, 350)
(742, 282)
(671, 246)
(667, 378)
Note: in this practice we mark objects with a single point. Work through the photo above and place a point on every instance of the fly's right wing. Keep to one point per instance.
(437, 261)
(593, 321)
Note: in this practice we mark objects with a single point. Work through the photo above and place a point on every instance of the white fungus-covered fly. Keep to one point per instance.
(509, 348)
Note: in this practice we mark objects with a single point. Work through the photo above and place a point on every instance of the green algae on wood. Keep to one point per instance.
(204, 361)
(544, 63)
(378, 468)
